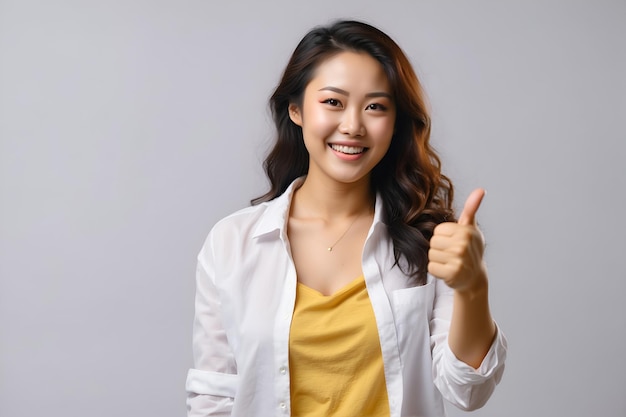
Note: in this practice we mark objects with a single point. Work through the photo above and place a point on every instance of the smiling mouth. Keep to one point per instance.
(348, 150)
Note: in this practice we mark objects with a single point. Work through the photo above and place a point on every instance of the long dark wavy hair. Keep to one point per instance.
(416, 196)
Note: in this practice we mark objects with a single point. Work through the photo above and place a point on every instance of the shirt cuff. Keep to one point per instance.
(462, 373)
(211, 383)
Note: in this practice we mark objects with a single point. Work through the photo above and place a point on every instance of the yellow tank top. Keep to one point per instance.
(335, 360)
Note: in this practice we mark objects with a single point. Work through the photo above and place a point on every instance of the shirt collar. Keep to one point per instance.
(277, 213)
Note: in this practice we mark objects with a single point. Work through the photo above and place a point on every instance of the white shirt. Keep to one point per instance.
(245, 296)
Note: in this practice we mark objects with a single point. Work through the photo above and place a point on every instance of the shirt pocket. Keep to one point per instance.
(412, 309)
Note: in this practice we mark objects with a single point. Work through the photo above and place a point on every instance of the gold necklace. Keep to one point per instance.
(330, 248)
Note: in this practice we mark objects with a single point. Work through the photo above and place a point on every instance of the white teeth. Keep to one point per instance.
(351, 150)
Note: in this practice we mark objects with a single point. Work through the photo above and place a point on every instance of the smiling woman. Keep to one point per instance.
(350, 118)
(347, 289)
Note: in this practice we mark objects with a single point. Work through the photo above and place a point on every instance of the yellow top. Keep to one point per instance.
(336, 365)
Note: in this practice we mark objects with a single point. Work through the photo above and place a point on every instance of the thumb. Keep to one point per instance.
(468, 216)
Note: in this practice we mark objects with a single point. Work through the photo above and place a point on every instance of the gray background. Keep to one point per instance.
(127, 128)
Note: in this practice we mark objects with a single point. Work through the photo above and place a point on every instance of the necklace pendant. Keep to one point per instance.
(330, 248)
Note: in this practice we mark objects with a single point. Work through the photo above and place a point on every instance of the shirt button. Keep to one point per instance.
(283, 406)
(282, 370)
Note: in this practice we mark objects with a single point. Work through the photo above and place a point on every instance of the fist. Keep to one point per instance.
(456, 249)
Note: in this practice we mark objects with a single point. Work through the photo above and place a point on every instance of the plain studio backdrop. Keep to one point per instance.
(128, 128)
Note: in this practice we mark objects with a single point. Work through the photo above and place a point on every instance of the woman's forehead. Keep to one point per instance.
(350, 71)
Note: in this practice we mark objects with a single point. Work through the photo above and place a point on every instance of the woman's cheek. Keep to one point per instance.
(326, 122)
(382, 128)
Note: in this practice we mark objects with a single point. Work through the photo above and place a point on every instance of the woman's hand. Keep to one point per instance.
(456, 250)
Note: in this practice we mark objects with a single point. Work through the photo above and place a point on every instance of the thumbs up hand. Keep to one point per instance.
(456, 249)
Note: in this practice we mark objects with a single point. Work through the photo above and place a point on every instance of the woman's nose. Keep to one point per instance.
(352, 124)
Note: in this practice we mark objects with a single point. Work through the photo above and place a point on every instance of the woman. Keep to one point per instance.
(347, 289)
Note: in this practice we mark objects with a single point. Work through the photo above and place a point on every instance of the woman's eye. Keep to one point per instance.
(333, 102)
(376, 106)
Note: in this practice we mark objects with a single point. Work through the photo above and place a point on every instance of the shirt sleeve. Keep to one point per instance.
(458, 382)
(212, 383)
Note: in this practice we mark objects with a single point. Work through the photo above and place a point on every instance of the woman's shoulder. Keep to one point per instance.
(268, 216)
(242, 220)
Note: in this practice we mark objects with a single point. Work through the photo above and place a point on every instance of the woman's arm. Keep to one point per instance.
(212, 383)
(456, 257)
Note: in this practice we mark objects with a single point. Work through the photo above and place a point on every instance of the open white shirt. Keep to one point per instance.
(245, 296)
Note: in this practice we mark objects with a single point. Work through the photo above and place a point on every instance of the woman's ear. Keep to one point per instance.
(294, 114)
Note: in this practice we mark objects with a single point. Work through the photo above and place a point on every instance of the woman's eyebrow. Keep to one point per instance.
(347, 94)
(335, 89)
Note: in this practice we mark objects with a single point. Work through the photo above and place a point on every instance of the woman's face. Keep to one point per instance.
(347, 117)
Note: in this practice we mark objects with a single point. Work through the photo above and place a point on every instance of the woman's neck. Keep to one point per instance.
(332, 200)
